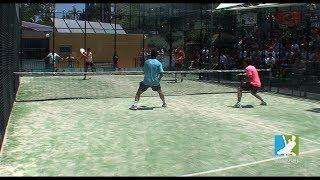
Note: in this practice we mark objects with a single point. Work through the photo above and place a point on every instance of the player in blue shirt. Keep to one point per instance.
(153, 72)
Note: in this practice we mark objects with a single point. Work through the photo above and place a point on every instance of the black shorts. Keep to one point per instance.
(178, 66)
(249, 87)
(86, 64)
(143, 87)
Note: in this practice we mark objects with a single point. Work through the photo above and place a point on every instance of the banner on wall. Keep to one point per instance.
(289, 19)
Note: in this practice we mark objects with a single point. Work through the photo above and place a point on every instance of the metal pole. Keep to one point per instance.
(115, 29)
(201, 46)
(184, 30)
(242, 38)
(130, 24)
(85, 27)
(143, 44)
(139, 15)
(270, 79)
(101, 12)
(53, 36)
(20, 49)
(170, 38)
(211, 32)
(143, 33)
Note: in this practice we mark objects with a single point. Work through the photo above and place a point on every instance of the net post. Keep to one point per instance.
(292, 84)
(269, 80)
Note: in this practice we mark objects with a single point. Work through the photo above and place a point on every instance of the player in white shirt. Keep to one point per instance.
(87, 57)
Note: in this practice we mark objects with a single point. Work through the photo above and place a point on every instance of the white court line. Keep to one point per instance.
(263, 126)
(247, 164)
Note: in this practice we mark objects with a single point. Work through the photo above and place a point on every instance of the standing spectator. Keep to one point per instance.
(205, 57)
(71, 60)
(299, 65)
(161, 55)
(270, 61)
(52, 60)
(295, 47)
(194, 59)
(222, 61)
(141, 57)
(115, 59)
(174, 54)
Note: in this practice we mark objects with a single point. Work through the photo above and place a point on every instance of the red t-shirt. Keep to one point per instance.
(180, 57)
(253, 73)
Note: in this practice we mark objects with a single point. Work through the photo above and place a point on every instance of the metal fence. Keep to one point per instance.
(9, 61)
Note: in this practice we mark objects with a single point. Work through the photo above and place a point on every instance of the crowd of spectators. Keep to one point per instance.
(286, 54)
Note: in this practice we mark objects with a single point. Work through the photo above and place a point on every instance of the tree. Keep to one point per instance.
(96, 12)
(158, 42)
(73, 13)
(37, 13)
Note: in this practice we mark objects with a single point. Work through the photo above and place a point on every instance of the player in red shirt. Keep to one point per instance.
(179, 57)
(253, 83)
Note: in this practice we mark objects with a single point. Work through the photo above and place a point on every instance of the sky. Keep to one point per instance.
(68, 6)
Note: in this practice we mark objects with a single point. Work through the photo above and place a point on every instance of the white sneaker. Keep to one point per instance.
(133, 107)
(237, 105)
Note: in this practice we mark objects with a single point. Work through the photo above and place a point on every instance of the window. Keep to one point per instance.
(65, 49)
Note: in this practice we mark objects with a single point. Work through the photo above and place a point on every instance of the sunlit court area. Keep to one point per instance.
(160, 89)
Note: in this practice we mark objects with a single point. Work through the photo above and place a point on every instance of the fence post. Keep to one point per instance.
(269, 80)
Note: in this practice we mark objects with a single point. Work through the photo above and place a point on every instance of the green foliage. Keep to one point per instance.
(72, 14)
(225, 40)
(158, 42)
(93, 13)
(37, 13)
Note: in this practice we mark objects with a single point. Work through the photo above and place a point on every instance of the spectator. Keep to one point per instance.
(71, 60)
(161, 55)
(222, 61)
(270, 61)
(52, 60)
(299, 65)
(115, 59)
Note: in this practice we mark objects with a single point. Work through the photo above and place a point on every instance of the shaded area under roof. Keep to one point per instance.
(78, 26)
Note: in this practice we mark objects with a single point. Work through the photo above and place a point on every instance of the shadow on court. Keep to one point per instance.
(171, 81)
(147, 108)
(316, 110)
(244, 106)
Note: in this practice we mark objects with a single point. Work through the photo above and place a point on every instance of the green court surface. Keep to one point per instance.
(196, 135)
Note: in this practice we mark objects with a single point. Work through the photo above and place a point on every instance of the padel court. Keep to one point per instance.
(66, 126)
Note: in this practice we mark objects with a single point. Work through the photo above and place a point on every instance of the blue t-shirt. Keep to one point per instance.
(152, 69)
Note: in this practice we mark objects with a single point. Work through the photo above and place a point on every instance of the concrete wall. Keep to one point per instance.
(102, 46)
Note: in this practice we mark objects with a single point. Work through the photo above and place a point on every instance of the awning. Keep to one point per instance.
(228, 5)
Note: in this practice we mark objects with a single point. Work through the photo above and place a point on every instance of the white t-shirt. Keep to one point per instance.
(223, 59)
(53, 58)
(270, 61)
